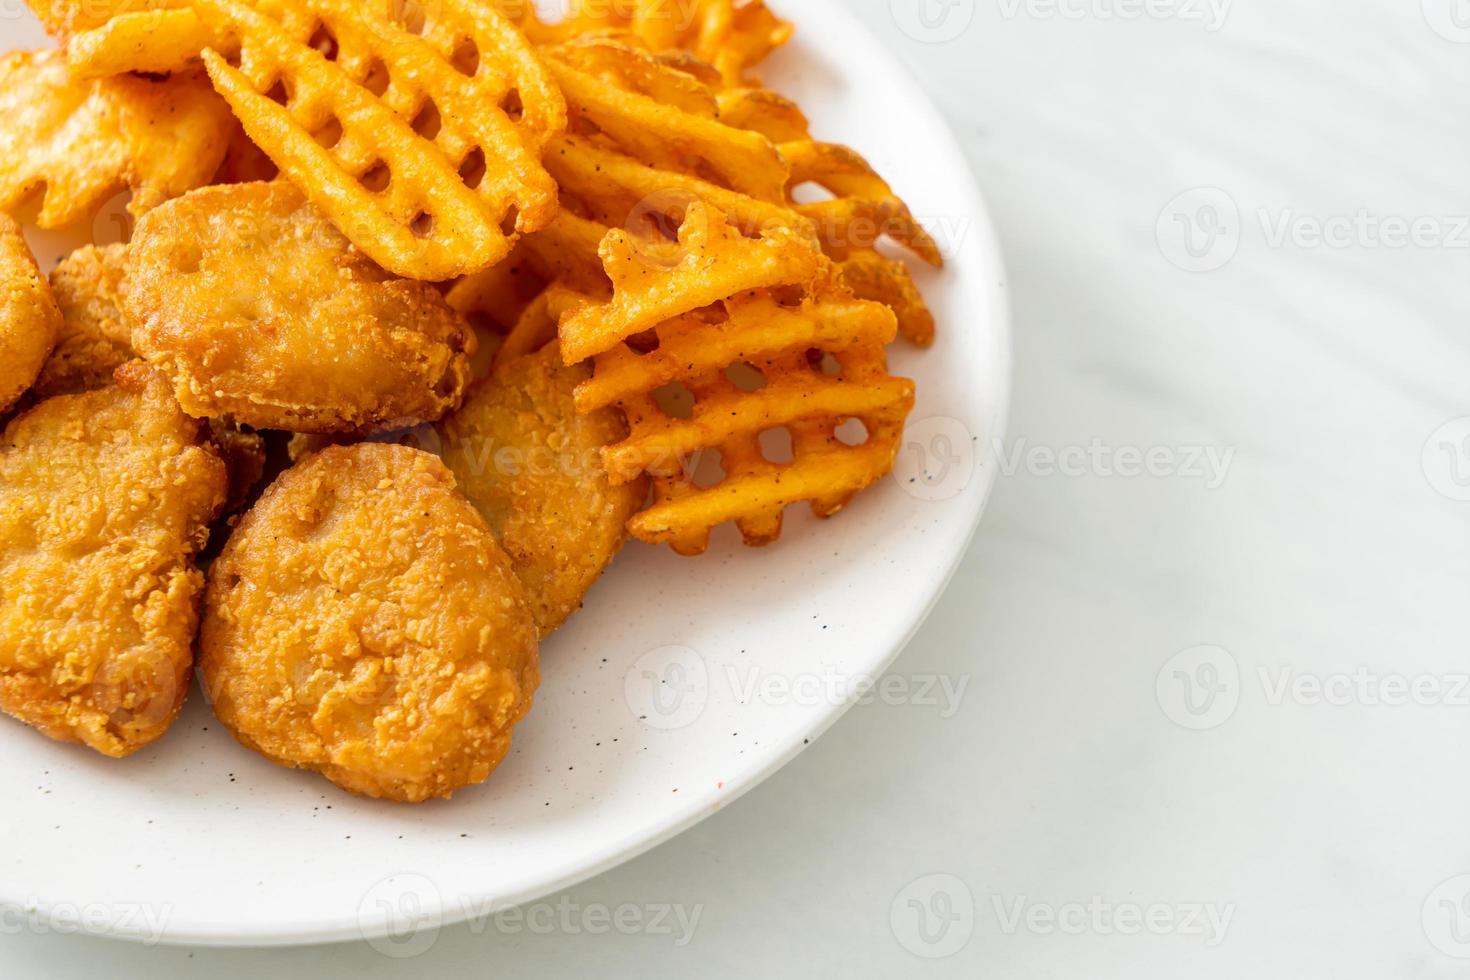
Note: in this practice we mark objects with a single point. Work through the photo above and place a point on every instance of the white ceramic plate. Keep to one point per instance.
(682, 684)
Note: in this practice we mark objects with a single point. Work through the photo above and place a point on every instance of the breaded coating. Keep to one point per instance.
(362, 622)
(29, 319)
(94, 338)
(533, 467)
(256, 307)
(105, 498)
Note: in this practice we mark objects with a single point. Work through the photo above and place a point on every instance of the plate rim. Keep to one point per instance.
(986, 247)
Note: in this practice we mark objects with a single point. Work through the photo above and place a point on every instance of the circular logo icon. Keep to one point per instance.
(1446, 916)
(1446, 460)
(1450, 19)
(933, 916)
(401, 915)
(654, 223)
(1199, 231)
(667, 688)
(932, 21)
(936, 459)
(1199, 688)
(112, 222)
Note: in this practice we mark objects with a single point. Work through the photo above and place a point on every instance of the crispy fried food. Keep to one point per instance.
(730, 35)
(422, 145)
(662, 117)
(159, 41)
(95, 336)
(29, 319)
(363, 622)
(256, 307)
(64, 18)
(79, 142)
(812, 359)
(532, 467)
(105, 498)
(711, 262)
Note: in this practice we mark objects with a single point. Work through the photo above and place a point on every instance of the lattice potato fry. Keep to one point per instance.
(77, 142)
(754, 491)
(871, 276)
(713, 261)
(864, 207)
(619, 191)
(668, 137)
(730, 35)
(433, 204)
(772, 115)
(754, 326)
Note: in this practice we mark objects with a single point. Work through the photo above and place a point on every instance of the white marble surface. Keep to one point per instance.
(1297, 534)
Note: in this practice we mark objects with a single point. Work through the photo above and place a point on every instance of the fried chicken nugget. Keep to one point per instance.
(363, 622)
(29, 319)
(254, 306)
(94, 337)
(533, 467)
(105, 498)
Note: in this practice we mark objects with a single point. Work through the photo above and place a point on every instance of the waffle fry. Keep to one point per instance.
(863, 208)
(654, 114)
(710, 262)
(729, 35)
(406, 140)
(871, 276)
(781, 305)
(79, 142)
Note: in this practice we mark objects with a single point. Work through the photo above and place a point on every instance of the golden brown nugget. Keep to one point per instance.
(29, 319)
(94, 338)
(105, 498)
(256, 307)
(533, 468)
(363, 622)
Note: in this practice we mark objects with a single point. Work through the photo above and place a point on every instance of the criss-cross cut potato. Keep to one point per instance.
(77, 142)
(256, 307)
(362, 622)
(105, 497)
(29, 319)
(533, 468)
